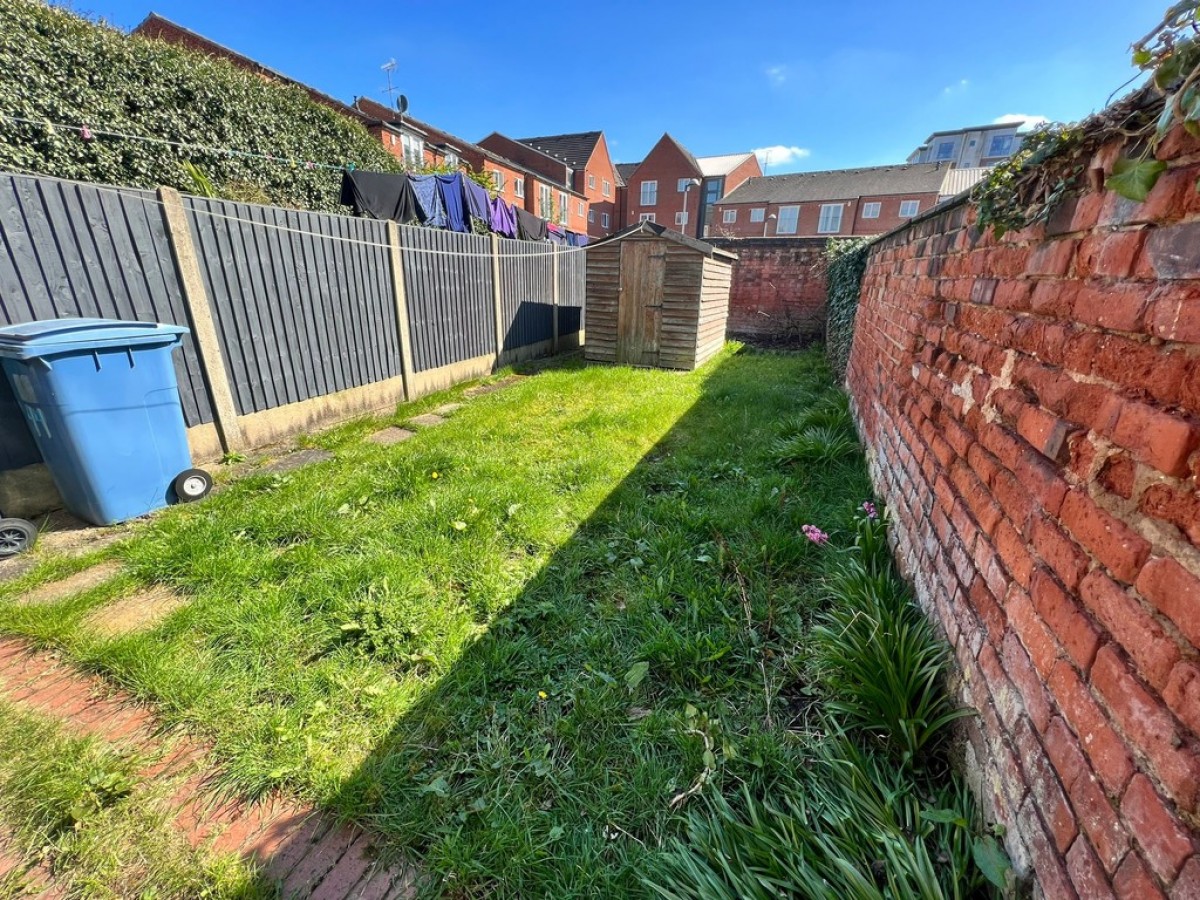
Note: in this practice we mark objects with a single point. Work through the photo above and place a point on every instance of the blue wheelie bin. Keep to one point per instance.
(102, 402)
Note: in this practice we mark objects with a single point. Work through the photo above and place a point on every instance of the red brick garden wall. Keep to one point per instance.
(778, 290)
(1032, 405)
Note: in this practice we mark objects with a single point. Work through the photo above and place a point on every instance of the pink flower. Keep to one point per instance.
(815, 534)
(869, 508)
(85, 133)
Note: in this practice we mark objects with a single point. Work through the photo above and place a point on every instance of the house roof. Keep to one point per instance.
(625, 171)
(573, 149)
(666, 233)
(959, 180)
(712, 166)
(687, 154)
(995, 126)
(840, 184)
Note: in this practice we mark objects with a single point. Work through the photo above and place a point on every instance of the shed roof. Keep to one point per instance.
(840, 184)
(662, 231)
(959, 180)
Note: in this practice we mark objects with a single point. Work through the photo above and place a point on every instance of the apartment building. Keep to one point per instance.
(984, 145)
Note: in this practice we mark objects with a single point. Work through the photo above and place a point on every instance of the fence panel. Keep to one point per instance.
(572, 283)
(526, 292)
(302, 301)
(69, 249)
(448, 284)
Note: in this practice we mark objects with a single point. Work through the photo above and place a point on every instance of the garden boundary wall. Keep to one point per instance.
(1031, 408)
(298, 319)
(778, 289)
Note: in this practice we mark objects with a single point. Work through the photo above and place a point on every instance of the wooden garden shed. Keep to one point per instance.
(656, 297)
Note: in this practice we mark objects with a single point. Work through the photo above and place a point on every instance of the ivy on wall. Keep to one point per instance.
(58, 67)
(847, 263)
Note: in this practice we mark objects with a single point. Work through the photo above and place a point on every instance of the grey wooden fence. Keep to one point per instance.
(303, 305)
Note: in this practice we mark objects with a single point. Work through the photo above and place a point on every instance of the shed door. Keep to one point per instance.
(639, 306)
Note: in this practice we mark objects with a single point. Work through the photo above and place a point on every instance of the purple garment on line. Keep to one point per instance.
(478, 204)
(503, 218)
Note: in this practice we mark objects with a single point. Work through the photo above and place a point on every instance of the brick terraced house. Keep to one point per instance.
(672, 187)
(839, 203)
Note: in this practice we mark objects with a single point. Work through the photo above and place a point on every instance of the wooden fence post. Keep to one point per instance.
(401, 300)
(204, 331)
(497, 298)
(554, 340)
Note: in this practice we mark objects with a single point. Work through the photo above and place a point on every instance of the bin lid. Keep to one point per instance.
(32, 339)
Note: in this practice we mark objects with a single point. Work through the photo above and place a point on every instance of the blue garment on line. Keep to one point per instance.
(429, 200)
(450, 187)
(478, 202)
(577, 240)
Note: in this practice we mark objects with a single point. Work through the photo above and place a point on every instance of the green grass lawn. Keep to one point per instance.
(524, 643)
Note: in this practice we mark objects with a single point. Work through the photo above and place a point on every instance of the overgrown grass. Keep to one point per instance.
(528, 643)
(78, 805)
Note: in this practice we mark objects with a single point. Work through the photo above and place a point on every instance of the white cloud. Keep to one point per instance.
(780, 155)
(777, 75)
(958, 87)
(1027, 123)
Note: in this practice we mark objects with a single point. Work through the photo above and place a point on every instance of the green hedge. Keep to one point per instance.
(56, 66)
(847, 262)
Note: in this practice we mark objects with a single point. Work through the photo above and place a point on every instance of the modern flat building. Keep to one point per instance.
(981, 146)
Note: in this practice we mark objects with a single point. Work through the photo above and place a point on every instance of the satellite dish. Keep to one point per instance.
(402, 104)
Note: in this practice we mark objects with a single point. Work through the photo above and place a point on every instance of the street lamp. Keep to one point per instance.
(691, 183)
(767, 222)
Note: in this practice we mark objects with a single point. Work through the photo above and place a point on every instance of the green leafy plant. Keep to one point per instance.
(846, 265)
(816, 444)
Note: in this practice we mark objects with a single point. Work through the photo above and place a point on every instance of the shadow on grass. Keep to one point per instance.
(657, 655)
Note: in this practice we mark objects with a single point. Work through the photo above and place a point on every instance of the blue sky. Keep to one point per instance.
(839, 84)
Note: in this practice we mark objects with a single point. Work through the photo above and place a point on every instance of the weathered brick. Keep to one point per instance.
(1059, 552)
(1109, 539)
(1154, 652)
(1089, 879)
(1066, 619)
(1175, 593)
(1164, 840)
(1182, 694)
(1098, 819)
(1187, 884)
(1155, 437)
(1133, 880)
(1104, 747)
(1178, 505)
(1118, 307)
(1174, 250)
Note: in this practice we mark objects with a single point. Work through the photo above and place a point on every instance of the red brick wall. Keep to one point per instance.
(778, 289)
(853, 224)
(666, 165)
(600, 168)
(1032, 405)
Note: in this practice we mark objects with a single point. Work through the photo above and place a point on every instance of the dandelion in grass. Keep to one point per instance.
(815, 534)
(542, 695)
(869, 508)
(434, 475)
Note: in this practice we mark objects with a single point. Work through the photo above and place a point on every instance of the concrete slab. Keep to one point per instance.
(72, 585)
(137, 612)
(294, 461)
(426, 420)
(448, 409)
(389, 436)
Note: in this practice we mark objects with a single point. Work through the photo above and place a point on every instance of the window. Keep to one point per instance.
(729, 216)
(519, 188)
(414, 149)
(591, 182)
(1001, 145)
(607, 189)
(545, 201)
(649, 193)
(683, 185)
(945, 149)
(603, 220)
(758, 215)
(871, 210)
(788, 217)
(592, 216)
(831, 218)
(452, 159)
(909, 208)
(581, 209)
(498, 180)
(680, 218)
(646, 217)
(564, 208)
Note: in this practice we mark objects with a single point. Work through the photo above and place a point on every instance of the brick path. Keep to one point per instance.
(306, 851)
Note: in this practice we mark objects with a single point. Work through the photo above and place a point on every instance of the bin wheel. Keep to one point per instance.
(192, 484)
(16, 536)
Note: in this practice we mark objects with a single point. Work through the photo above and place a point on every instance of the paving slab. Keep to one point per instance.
(72, 585)
(426, 420)
(492, 387)
(448, 409)
(138, 612)
(389, 436)
(294, 461)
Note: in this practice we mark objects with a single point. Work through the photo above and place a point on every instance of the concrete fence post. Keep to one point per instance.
(204, 330)
(554, 339)
(497, 298)
(401, 300)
